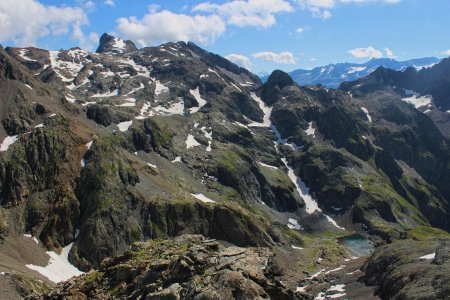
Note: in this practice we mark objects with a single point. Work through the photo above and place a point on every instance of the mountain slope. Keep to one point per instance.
(427, 90)
(333, 75)
(168, 141)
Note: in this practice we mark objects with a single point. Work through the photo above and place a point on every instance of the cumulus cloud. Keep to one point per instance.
(371, 52)
(164, 26)
(26, 21)
(110, 3)
(250, 13)
(447, 52)
(322, 8)
(87, 42)
(285, 58)
(389, 53)
(240, 60)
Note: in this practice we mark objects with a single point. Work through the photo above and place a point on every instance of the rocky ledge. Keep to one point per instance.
(187, 267)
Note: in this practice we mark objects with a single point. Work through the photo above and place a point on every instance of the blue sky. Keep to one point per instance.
(260, 34)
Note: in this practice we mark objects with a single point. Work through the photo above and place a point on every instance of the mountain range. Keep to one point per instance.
(334, 74)
(169, 172)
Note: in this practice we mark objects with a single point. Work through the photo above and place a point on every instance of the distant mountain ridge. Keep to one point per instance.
(333, 75)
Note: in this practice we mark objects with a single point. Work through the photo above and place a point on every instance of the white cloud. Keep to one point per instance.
(389, 53)
(88, 42)
(110, 3)
(240, 60)
(447, 52)
(286, 58)
(368, 52)
(163, 26)
(299, 30)
(322, 8)
(249, 13)
(371, 52)
(26, 21)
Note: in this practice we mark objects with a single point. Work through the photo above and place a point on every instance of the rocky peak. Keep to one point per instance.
(111, 44)
(275, 83)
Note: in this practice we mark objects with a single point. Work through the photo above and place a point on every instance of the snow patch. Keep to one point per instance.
(265, 109)
(174, 109)
(293, 224)
(267, 166)
(110, 94)
(419, 101)
(7, 142)
(191, 142)
(201, 102)
(311, 130)
(27, 235)
(160, 88)
(203, 198)
(153, 166)
(177, 159)
(59, 268)
(366, 111)
(428, 256)
(124, 125)
(296, 248)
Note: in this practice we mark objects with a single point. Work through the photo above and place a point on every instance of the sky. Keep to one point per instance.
(261, 35)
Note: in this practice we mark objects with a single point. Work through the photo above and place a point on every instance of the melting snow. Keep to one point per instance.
(31, 237)
(24, 56)
(419, 101)
(70, 99)
(201, 102)
(316, 274)
(136, 89)
(177, 159)
(153, 166)
(191, 142)
(59, 268)
(335, 270)
(293, 224)
(110, 94)
(28, 86)
(366, 111)
(7, 142)
(124, 125)
(428, 256)
(119, 44)
(39, 126)
(267, 166)
(311, 205)
(203, 198)
(311, 130)
(160, 88)
(174, 109)
(265, 109)
(296, 248)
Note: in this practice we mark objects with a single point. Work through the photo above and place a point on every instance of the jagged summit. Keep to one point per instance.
(111, 44)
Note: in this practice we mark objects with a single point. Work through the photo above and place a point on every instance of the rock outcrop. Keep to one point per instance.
(187, 267)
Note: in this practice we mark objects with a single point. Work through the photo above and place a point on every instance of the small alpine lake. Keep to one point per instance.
(358, 244)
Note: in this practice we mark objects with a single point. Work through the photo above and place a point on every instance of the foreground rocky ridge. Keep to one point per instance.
(188, 267)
